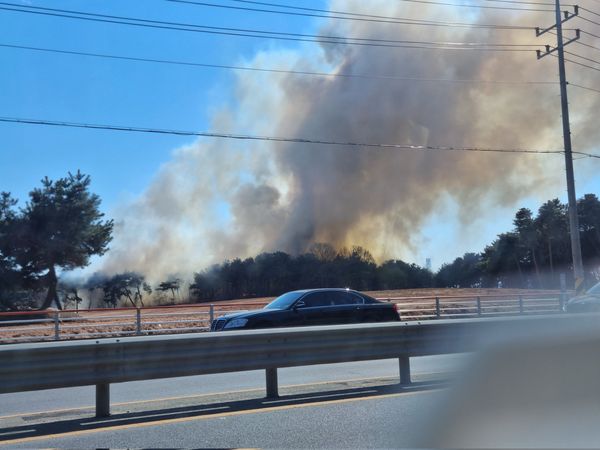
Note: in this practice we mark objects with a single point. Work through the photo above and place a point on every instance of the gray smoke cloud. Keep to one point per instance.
(218, 199)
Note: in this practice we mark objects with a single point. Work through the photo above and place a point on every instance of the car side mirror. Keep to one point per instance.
(299, 304)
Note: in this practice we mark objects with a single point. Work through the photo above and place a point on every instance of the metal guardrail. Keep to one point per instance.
(36, 326)
(436, 307)
(37, 366)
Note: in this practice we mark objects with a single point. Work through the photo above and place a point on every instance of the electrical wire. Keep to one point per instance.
(582, 57)
(590, 34)
(578, 63)
(578, 41)
(54, 11)
(260, 69)
(586, 45)
(431, 2)
(276, 139)
(322, 13)
(279, 5)
(589, 10)
(262, 34)
(586, 19)
(584, 87)
(527, 3)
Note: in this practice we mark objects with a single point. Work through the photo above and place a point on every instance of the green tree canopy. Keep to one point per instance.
(61, 227)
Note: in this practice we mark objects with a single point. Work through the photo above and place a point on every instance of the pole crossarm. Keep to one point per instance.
(549, 50)
(567, 16)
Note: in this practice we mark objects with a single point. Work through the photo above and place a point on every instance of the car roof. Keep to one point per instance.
(306, 291)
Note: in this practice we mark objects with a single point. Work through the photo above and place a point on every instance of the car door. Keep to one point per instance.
(347, 306)
(316, 308)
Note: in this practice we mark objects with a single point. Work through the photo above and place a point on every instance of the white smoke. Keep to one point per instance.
(218, 199)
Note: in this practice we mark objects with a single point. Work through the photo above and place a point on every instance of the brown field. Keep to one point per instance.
(412, 304)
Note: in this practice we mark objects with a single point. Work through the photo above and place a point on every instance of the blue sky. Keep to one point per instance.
(123, 165)
(87, 89)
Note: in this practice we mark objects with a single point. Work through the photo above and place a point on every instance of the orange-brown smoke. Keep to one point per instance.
(220, 199)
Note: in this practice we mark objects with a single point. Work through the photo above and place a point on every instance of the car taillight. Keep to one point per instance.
(395, 306)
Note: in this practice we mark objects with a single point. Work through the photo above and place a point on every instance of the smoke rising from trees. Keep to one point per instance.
(218, 199)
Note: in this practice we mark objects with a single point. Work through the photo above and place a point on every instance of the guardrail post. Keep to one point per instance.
(438, 311)
(272, 385)
(211, 314)
(521, 304)
(56, 326)
(138, 321)
(404, 370)
(103, 400)
(479, 306)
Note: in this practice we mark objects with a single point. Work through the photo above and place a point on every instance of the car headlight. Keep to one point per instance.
(236, 323)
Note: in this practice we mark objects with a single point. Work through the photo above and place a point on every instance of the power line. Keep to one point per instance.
(582, 57)
(275, 138)
(580, 64)
(578, 41)
(55, 12)
(260, 69)
(431, 2)
(590, 34)
(279, 5)
(322, 13)
(589, 10)
(587, 20)
(262, 34)
(526, 3)
(586, 45)
(584, 87)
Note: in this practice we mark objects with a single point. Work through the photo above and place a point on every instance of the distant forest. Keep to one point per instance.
(61, 228)
(531, 255)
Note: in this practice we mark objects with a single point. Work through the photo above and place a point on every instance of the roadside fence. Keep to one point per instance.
(56, 325)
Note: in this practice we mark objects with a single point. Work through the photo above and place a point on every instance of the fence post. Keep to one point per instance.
(138, 321)
(56, 326)
(438, 311)
(404, 370)
(520, 304)
(272, 385)
(103, 400)
(211, 314)
(478, 306)
(562, 299)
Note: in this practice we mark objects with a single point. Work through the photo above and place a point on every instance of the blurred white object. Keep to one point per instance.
(542, 390)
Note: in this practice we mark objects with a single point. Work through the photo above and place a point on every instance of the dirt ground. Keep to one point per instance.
(411, 303)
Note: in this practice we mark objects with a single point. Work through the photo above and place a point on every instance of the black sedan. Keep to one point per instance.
(588, 302)
(311, 307)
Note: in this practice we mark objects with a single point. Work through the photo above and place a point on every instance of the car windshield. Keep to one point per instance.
(284, 301)
(594, 290)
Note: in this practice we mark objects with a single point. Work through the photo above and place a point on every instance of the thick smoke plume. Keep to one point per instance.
(220, 199)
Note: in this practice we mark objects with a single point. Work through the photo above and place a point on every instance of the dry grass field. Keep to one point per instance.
(412, 304)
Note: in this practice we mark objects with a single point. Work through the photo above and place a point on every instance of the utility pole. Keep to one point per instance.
(573, 219)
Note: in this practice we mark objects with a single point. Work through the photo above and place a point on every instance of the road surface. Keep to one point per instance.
(335, 405)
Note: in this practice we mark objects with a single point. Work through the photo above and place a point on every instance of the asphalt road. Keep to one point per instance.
(390, 421)
(336, 405)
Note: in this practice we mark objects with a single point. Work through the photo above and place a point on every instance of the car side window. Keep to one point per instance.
(346, 298)
(317, 299)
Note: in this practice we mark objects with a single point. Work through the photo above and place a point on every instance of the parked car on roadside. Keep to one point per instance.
(588, 302)
(311, 307)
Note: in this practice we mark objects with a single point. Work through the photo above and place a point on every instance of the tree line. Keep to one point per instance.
(61, 227)
(271, 274)
(531, 255)
(534, 252)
